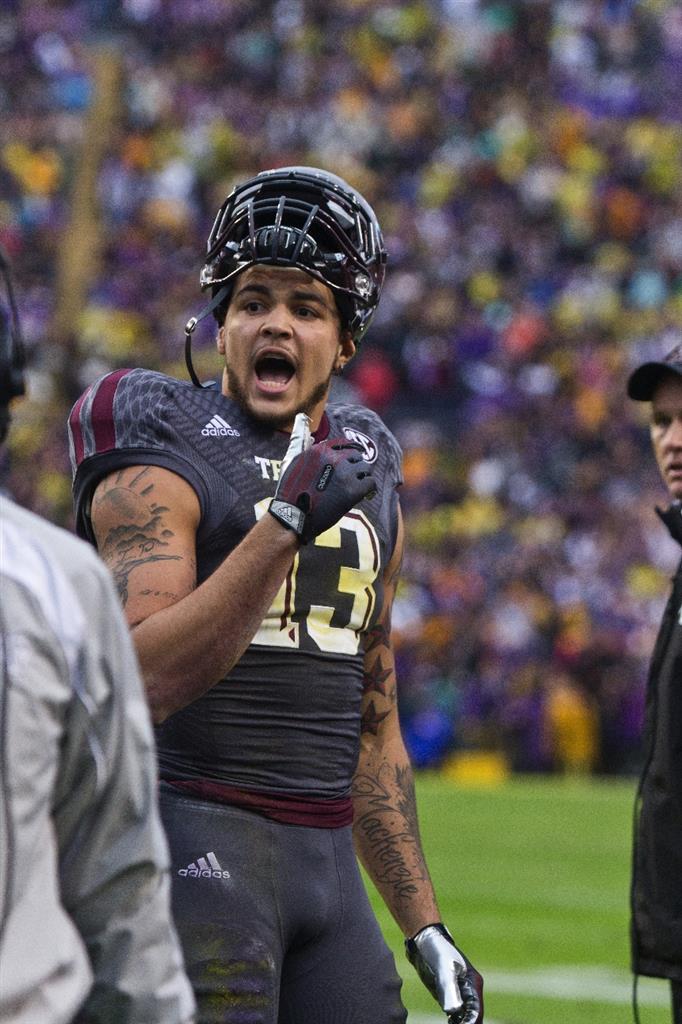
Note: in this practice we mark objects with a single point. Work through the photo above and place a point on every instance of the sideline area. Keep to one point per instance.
(532, 875)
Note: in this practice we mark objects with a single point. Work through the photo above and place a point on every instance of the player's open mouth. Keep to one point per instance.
(274, 371)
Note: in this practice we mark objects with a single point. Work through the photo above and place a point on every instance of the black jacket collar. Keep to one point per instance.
(672, 517)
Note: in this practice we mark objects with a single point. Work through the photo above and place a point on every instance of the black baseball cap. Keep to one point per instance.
(645, 379)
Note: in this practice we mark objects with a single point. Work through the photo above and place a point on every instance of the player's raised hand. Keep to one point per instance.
(301, 439)
(318, 483)
(450, 978)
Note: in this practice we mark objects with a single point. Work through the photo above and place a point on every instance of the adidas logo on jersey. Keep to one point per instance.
(204, 867)
(217, 427)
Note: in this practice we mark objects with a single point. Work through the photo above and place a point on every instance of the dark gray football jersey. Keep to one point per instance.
(287, 718)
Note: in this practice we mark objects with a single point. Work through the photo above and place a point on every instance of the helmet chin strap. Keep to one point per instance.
(191, 324)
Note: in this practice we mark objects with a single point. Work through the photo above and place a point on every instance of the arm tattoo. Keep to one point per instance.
(375, 677)
(372, 719)
(380, 681)
(113, 482)
(123, 562)
(386, 822)
(148, 591)
(407, 800)
(141, 537)
(377, 636)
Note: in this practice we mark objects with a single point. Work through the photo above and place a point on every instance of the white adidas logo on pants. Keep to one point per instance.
(204, 867)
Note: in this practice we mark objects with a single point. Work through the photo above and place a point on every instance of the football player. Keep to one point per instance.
(254, 530)
(86, 933)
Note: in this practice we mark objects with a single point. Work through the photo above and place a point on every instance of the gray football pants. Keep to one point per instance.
(274, 920)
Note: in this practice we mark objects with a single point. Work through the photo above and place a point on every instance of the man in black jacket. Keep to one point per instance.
(657, 861)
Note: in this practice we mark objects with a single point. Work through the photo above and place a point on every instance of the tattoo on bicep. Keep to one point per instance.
(131, 545)
(122, 571)
(117, 481)
(386, 820)
(140, 476)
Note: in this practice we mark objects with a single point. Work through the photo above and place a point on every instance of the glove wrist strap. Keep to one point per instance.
(288, 515)
(423, 933)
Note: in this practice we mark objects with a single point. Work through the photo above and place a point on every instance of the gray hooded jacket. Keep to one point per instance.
(85, 927)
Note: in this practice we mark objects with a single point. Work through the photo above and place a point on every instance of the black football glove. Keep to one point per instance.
(318, 483)
(452, 981)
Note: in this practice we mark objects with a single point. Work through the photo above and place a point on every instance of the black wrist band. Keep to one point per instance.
(288, 515)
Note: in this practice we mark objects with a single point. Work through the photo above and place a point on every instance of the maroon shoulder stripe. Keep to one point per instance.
(76, 429)
(101, 414)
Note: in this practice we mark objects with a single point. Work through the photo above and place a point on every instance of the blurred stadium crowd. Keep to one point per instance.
(524, 159)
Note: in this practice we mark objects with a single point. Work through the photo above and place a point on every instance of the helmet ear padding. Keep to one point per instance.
(306, 218)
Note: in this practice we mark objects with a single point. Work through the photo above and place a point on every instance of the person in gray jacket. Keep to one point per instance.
(86, 934)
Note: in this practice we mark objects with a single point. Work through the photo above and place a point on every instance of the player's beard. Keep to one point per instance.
(278, 421)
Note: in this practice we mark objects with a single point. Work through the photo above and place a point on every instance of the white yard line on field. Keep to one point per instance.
(584, 983)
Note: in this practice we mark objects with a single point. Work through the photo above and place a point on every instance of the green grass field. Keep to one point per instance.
(532, 877)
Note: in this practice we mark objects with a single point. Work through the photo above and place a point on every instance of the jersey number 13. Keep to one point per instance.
(297, 620)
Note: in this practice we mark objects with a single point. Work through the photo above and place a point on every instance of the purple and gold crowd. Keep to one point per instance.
(524, 160)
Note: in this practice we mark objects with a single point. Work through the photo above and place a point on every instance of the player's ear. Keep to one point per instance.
(345, 351)
(220, 340)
